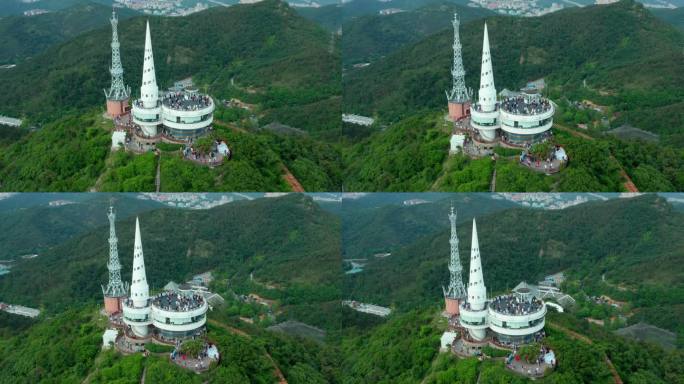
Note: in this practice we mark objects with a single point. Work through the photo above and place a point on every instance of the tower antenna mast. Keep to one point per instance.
(456, 289)
(459, 93)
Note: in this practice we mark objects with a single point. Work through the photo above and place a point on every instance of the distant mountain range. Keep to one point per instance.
(22, 37)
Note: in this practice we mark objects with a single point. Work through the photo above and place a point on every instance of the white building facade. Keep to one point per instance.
(168, 316)
(512, 319)
(525, 118)
(182, 115)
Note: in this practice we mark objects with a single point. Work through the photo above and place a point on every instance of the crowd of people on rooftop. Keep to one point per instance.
(513, 305)
(520, 105)
(186, 101)
(174, 301)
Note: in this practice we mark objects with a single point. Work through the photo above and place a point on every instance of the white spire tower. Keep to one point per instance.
(147, 109)
(137, 309)
(485, 116)
(140, 290)
(477, 292)
(149, 92)
(487, 93)
(456, 290)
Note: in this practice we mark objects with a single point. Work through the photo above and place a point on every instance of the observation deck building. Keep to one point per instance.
(168, 317)
(512, 319)
(181, 114)
(525, 118)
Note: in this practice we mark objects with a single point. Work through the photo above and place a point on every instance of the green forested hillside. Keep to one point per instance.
(22, 37)
(404, 350)
(72, 154)
(634, 242)
(288, 68)
(412, 155)
(34, 229)
(286, 62)
(371, 37)
(288, 242)
(67, 349)
(672, 16)
(390, 227)
(630, 60)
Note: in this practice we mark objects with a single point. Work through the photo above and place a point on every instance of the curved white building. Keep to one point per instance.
(512, 319)
(182, 115)
(177, 315)
(526, 118)
(523, 119)
(186, 114)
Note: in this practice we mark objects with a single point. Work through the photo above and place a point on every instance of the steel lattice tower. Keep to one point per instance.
(456, 289)
(118, 90)
(115, 287)
(459, 93)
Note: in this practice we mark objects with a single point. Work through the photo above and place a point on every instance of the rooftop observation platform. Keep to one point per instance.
(187, 100)
(177, 302)
(512, 305)
(526, 105)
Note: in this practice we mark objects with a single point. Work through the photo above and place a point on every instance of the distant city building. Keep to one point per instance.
(358, 120)
(517, 118)
(370, 309)
(12, 122)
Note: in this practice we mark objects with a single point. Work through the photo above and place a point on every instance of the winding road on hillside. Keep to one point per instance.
(577, 336)
(276, 370)
(629, 184)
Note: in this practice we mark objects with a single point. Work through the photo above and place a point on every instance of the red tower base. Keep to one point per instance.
(458, 111)
(451, 306)
(112, 305)
(116, 108)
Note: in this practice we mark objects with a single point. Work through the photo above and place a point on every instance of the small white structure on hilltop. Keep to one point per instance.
(118, 140)
(447, 340)
(513, 319)
(109, 338)
(183, 114)
(456, 143)
(518, 117)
